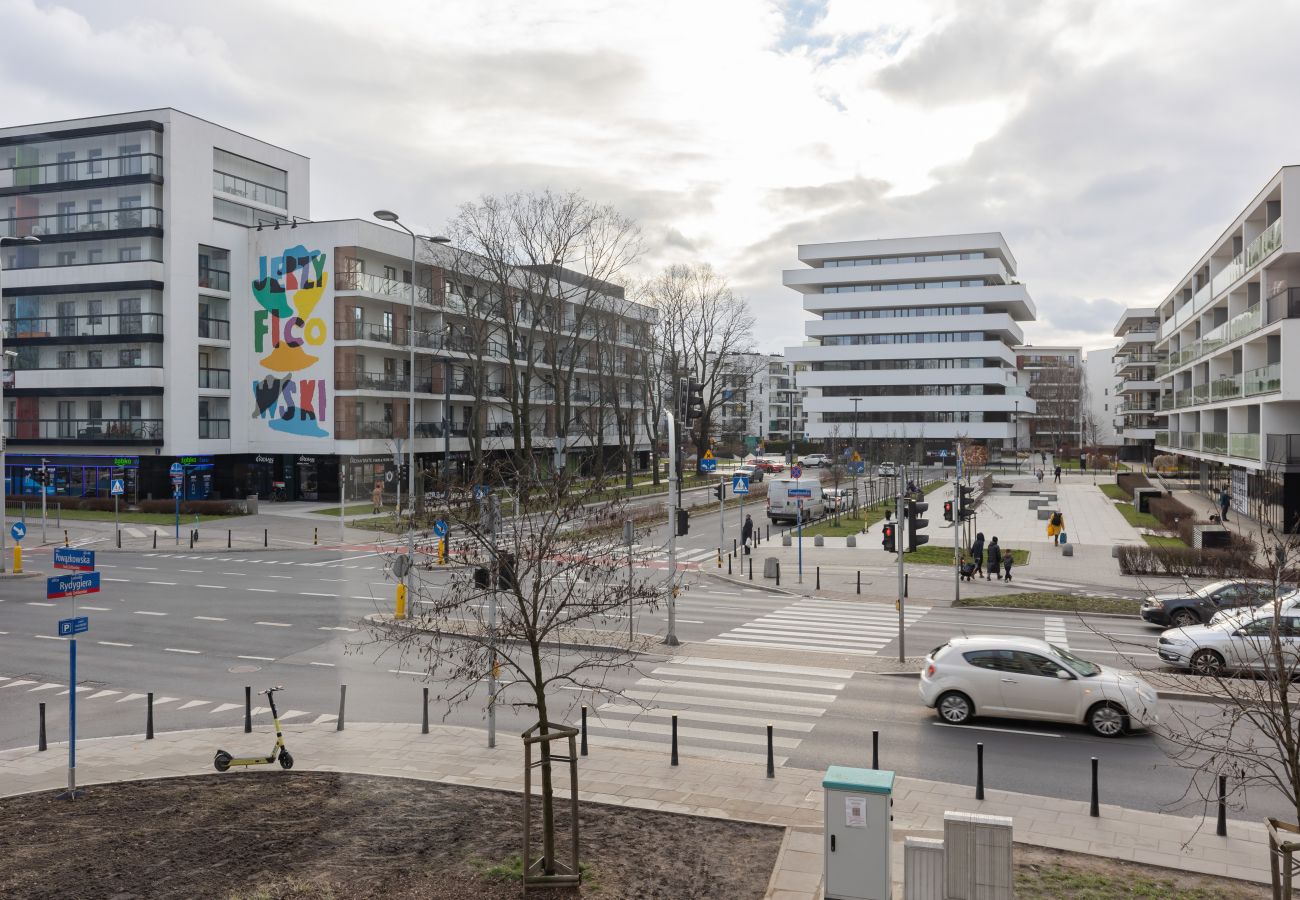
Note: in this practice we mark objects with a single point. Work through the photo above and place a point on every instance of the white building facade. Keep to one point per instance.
(1138, 415)
(922, 331)
(1100, 400)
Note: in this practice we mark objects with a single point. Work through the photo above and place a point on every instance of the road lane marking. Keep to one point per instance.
(178, 650)
(147, 568)
(215, 587)
(38, 603)
(163, 583)
(48, 686)
(312, 594)
(145, 612)
(237, 574)
(191, 704)
(403, 672)
(335, 628)
(96, 696)
(998, 730)
(44, 637)
(276, 624)
(325, 665)
(114, 644)
(118, 579)
(191, 572)
(210, 618)
(98, 608)
(263, 590)
(279, 576)
(225, 706)
(260, 658)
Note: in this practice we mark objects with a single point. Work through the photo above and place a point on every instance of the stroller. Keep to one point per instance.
(967, 570)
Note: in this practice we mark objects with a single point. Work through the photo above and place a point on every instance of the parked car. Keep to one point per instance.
(1286, 603)
(837, 499)
(813, 460)
(885, 470)
(1193, 607)
(752, 472)
(781, 507)
(1231, 646)
(1027, 678)
(769, 465)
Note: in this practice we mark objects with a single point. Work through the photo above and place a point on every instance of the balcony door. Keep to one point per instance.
(67, 419)
(67, 310)
(131, 321)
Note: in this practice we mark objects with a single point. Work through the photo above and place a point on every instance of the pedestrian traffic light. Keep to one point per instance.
(719, 490)
(482, 579)
(683, 522)
(965, 505)
(947, 510)
(506, 579)
(694, 400)
(887, 538)
(915, 524)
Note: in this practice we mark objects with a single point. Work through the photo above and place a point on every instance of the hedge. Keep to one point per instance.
(1185, 561)
(1127, 481)
(194, 507)
(1174, 515)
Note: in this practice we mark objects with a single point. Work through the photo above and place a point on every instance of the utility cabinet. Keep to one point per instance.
(858, 833)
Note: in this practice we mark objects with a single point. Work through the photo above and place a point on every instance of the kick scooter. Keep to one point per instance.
(223, 760)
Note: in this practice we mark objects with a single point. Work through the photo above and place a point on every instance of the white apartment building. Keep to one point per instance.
(922, 330)
(1053, 377)
(784, 408)
(1232, 407)
(178, 306)
(1100, 400)
(1137, 416)
(759, 393)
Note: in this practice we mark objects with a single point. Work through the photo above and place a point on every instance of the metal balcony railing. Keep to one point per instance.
(1283, 449)
(18, 328)
(214, 429)
(214, 279)
(249, 190)
(214, 329)
(214, 379)
(352, 430)
(97, 430)
(370, 381)
(82, 170)
(384, 287)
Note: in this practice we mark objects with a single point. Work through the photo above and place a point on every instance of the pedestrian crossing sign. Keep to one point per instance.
(708, 454)
(857, 457)
(707, 462)
(117, 487)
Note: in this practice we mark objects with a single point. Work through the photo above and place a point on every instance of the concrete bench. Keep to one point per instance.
(1044, 513)
(1036, 502)
(1019, 492)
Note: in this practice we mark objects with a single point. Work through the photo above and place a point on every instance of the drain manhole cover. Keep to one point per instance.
(243, 670)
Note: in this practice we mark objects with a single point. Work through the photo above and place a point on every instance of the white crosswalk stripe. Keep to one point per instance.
(1054, 631)
(723, 707)
(829, 625)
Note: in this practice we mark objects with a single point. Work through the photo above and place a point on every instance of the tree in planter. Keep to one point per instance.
(550, 575)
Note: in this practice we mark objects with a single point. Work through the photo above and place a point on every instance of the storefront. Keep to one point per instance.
(72, 476)
(281, 476)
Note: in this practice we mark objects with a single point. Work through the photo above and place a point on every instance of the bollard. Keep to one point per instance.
(315, 536)
(584, 730)
(751, 568)
(148, 721)
(728, 565)
(733, 547)
(66, 542)
(248, 708)
(424, 722)
(778, 574)
(979, 771)
(155, 539)
(264, 544)
(875, 749)
(1221, 829)
(859, 581)
(227, 538)
(1093, 808)
(771, 762)
(719, 557)
(819, 578)
(191, 539)
(119, 539)
(58, 515)
(343, 695)
(674, 739)
(906, 577)
(41, 742)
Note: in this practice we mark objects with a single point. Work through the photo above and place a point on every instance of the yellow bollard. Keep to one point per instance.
(442, 552)
(18, 559)
(65, 538)
(315, 536)
(401, 601)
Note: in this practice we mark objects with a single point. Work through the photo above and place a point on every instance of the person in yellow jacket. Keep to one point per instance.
(1055, 525)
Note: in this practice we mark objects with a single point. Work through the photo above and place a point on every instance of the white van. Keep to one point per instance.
(781, 507)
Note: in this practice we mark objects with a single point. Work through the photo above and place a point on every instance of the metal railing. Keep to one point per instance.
(19, 328)
(249, 190)
(218, 379)
(215, 279)
(385, 287)
(214, 429)
(370, 381)
(214, 329)
(82, 170)
(1283, 449)
(99, 430)
(77, 223)
(351, 430)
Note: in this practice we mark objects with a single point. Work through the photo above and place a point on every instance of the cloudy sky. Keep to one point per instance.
(1109, 140)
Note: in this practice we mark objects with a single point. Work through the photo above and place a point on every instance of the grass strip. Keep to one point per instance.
(1061, 602)
(96, 515)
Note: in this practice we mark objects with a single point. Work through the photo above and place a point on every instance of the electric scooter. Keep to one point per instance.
(223, 760)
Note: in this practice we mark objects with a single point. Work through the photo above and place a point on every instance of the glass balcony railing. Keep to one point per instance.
(1243, 446)
(215, 279)
(1200, 393)
(1234, 329)
(99, 430)
(375, 284)
(106, 325)
(1214, 442)
(83, 222)
(1225, 388)
(1269, 240)
(1162, 438)
(214, 379)
(351, 430)
(1189, 440)
(214, 429)
(249, 190)
(82, 170)
(1284, 449)
(370, 381)
(1264, 380)
(214, 329)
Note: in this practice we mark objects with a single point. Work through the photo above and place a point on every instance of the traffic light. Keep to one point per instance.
(887, 538)
(506, 579)
(915, 523)
(683, 522)
(947, 510)
(965, 505)
(694, 400)
(720, 490)
(482, 579)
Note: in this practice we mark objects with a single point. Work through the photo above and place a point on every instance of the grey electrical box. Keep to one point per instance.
(858, 833)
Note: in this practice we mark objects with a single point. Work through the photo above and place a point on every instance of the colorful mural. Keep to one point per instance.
(291, 393)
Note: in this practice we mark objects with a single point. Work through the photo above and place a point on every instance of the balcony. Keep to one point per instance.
(104, 431)
(1257, 251)
(1225, 387)
(214, 279)
(1264, 380)
(1214, 442)
(349, 430)
(388, 288)
(214, 429)
(370, 381)
(60, 224)
(1162, 439)
(1283, 449)
(249, 190)
(1190, 441)
(1243, 446)
(82, 170)
(214, 379)
(56, 329)
(214, 329)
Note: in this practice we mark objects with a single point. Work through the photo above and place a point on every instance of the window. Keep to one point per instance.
(1040, 665)
(67, 168)
(132, 165)
(94, 409)
(96, 164)
(129, 254)
(128, 357)
(94, 310)
(94, 256)
(67, 217)
(128, 409)
(66, 258)
(997, 660)
(390, 273)
(67, 359)
(94, 359)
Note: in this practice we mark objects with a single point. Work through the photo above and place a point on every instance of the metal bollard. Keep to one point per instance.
(733, 547)
(315, 536)
(979, 771)
(40, 744)
(719, 557)
(1094, 809)
(424, 722)
(875, 749)
(148, 722)
(1221, 829)
(778, 574)
(248, 708)
(65, 538)
(674, 739)
(119, 539)
(771, 761)
(227, 538)
(343, 695)
(728, 565)
(819, 578)
(906, 577)
(751, 568)
(264, 531)
(859, 581)
(155, 539)
(58, 515)
(584, 730)
(768, 536)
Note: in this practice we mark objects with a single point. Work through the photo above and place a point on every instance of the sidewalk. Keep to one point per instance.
(699, 786)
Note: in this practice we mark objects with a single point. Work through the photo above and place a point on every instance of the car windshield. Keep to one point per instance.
(1078, 664)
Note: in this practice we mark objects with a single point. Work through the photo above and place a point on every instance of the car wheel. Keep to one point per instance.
(955, 708)
(1184, 617)
(1107, 720)
(1207, 662)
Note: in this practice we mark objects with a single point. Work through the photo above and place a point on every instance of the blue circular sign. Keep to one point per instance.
(19, 531)
(440, 528)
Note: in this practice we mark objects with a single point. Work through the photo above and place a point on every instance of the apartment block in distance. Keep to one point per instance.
(1232, 408)
(922, 331)
(1053, 376)
(1138, 391)
(178, 306)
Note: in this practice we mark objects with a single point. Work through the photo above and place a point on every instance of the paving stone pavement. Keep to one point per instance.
(699, 786)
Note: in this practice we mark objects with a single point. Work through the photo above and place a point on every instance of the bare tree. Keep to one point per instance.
(1058, 391)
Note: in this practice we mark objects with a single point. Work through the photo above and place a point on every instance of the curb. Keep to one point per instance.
(731, 579)
(1073, 612)
(374, 618)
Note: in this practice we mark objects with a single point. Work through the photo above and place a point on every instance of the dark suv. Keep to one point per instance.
(1196, 607)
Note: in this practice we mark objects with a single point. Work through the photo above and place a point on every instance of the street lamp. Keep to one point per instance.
(391, 217)
(4, 549)
(856, 401)
(1015, 419)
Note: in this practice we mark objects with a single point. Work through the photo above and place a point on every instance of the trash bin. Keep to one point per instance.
(858, 833)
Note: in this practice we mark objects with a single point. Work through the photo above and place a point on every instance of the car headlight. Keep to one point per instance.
(1154, 604)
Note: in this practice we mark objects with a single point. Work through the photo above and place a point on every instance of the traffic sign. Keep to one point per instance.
(19, 531)
(739, 484)
(796, 472)
(390, 475)
(707, 462)
(177, 469)
(440, 529)
(77, 560)
(800, 492)
(943, 453)
(481, 491)
(857, 457)
(401, 565)
(857, 467)
(74, 585)
(77, 625)
(117, 487)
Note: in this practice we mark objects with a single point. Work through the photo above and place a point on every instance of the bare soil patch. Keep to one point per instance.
(1043, 874)
(273, 835)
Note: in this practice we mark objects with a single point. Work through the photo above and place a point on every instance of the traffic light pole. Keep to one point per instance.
(674, 476)
(722, 517)
(45, 478)
(900, 535)
(956, 541)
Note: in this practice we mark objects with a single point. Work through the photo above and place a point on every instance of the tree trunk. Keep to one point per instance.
(548, 790)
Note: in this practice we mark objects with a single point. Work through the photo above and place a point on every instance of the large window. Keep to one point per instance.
(903, 286)
(897, 260)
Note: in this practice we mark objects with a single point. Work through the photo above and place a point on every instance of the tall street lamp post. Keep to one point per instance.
(4, 439)
(391, 217)
(856, 452)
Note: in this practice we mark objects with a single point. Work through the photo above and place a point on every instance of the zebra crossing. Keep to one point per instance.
(723, 708)
(829, 625)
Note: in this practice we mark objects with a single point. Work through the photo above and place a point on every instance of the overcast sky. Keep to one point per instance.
(1109, 141)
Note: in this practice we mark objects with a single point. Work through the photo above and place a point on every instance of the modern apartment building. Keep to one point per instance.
(922, 330)
(1232, 407)
(759, 393)
(1054, 378)
(784, 407)
(1100, 400)
(178, 306)
(1137, 416)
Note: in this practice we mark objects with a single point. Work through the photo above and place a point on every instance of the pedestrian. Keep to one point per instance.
(1039, 473)
(1042, 456)
(1058, 474)
(1055, 525)
(747, 532)
(1007, 562)
(377, 498)
(977, 553)
(995, 560)
(1225, 500)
